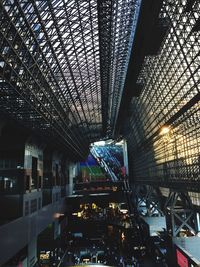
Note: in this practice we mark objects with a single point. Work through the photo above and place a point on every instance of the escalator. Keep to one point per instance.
(109, 159)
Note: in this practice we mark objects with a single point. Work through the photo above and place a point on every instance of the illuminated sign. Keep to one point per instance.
(44, 256)
(181, 259)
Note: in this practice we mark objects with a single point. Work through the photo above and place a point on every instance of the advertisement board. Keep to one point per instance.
(181, 259)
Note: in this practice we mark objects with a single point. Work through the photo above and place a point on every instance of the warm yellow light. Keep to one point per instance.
(123, 236)
(44, 256)
(58, 215)
(114, 188)
(164, 130)
(79, 214)
(94, 206)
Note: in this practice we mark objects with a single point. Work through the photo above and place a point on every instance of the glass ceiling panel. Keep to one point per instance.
(67, 61)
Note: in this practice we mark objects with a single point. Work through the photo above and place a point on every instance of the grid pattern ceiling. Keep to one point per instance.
(63, 65)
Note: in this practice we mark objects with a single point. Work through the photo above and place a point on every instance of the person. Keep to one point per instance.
(136, 264)
(133, 259)
(122, 262)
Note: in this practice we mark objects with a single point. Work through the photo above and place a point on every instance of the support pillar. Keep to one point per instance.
(198, 221)
(180, 214)
(148, 201)
(125, 157)
(32, 252)
(73, 173)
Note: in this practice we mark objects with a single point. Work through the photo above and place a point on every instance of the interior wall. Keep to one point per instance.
(170, 98)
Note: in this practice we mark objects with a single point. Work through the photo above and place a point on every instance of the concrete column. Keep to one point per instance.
(198, 222)
(56, 229)
(32, 252)
(73, 172)
(125, 156)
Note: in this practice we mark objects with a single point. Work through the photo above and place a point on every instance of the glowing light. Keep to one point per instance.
(123, 236)
(164, 130)
(79, 214)
(94, 206)
(58, 215)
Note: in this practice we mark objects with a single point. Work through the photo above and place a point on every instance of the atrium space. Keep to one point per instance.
(100, 133)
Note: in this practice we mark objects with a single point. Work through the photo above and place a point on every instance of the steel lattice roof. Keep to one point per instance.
(63, 65)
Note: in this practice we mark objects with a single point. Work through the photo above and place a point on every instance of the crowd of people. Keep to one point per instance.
(111, 214)
(105, 251)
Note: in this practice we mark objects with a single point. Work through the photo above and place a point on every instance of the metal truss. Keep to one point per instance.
(62, 65)
(170, 99)
(180, 214)
(51, 85)
(117, 25)
(148, 201)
